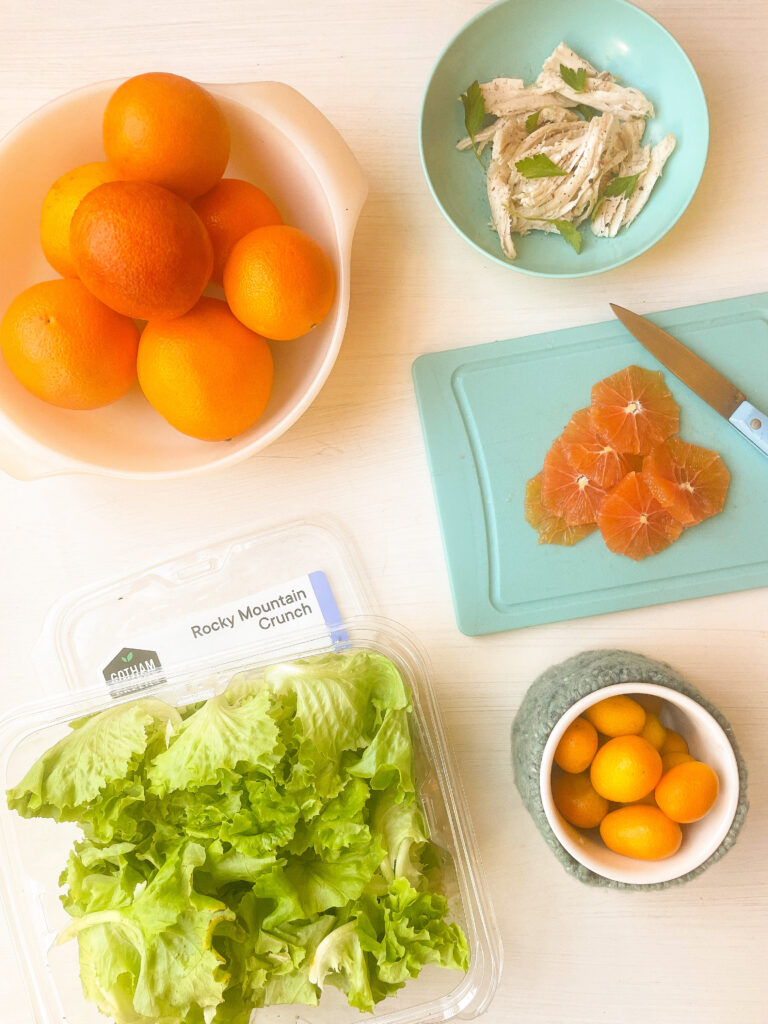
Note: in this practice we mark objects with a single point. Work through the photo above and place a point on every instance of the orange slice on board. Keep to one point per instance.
(633, 410)
(633, 523)
(552, 529)
(586, 451)
(690, 482)
(566, 492)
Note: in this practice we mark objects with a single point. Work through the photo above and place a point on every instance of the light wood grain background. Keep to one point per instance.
(691, 955)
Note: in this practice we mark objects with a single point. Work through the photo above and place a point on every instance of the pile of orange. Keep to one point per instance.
(617, 768)
(137, 239)
(618, 468)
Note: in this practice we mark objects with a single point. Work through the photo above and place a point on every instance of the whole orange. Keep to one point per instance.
(625, 769)
(673, 742)
(641, 831)
(673, 758)
(576, 799)
(205, 372)
(68, 348)
(61, 201)
(168, 130)
(616, 716)
(654, 731)
(577, 746)
(279, 282)
(141, 249)
(687, 791)
(230, 210)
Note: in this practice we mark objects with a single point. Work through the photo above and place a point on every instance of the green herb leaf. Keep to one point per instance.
(564, 227)
(474, 112)
(539, 166)
(577, 80)
(531, 122)
(623, 186)
(587, 112)
(571, 234)
(596, 209)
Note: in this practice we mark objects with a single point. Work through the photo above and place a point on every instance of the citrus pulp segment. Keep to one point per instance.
(633, 410)
(633, 523)
(567, 492)
(588, 453)
(552, 529)
(689, 481)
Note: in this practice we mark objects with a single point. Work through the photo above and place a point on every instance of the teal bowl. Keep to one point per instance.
(513, 38)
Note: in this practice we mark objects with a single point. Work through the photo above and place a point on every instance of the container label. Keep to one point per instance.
(271, 616)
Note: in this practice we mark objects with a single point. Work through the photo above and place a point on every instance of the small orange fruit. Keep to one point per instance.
(61, 201)
(168, 130)
(687, 791)
(205, 372)
(673, 741)
(641, 831)
(279, 282)
(616, 716)
(230, 210)
(625, 769)
(653, 730)
(141, 249)
(576, 799)
(674, 757)
(68, 348)
(577, 746)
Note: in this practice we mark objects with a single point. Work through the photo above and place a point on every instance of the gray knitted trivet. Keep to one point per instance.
(550, 696)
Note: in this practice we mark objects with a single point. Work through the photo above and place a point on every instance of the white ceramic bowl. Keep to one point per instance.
(282, 143)
(706, 741)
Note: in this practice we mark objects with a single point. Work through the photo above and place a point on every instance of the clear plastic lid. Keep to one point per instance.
(100, 644)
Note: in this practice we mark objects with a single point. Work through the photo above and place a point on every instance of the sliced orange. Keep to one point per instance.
(552, 529)
(589, 454)
(632, 521)
(690, 482)
(633, 410)
(566, 492)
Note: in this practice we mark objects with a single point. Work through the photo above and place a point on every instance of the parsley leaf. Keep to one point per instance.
(539, 166)
(531, 122)
(587, 112)
(474, 112)
(576, 79)
(622, 186)
(565, 228)
(571, 234)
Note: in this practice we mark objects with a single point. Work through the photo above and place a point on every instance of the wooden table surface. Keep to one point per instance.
(690, 955)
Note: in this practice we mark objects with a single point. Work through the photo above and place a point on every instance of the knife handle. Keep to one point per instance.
(753, 424)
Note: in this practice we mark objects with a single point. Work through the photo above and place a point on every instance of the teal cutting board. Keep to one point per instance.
(489, 414)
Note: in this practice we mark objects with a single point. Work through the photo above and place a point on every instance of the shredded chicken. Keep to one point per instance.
(592, 153)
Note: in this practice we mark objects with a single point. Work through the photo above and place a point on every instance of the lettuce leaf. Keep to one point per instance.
(100, 753)
(157, 950)
(245, 851)
(215, 738)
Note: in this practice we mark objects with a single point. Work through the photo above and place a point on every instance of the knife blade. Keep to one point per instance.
(716, 390)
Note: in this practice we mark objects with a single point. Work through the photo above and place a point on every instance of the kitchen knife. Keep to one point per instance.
(699, 376)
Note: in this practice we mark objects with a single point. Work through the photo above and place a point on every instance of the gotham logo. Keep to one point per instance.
(133, 669)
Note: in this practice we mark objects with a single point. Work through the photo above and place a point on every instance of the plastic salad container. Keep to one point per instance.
(179, 632)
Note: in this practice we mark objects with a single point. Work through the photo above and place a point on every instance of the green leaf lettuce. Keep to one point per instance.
(247, 850)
